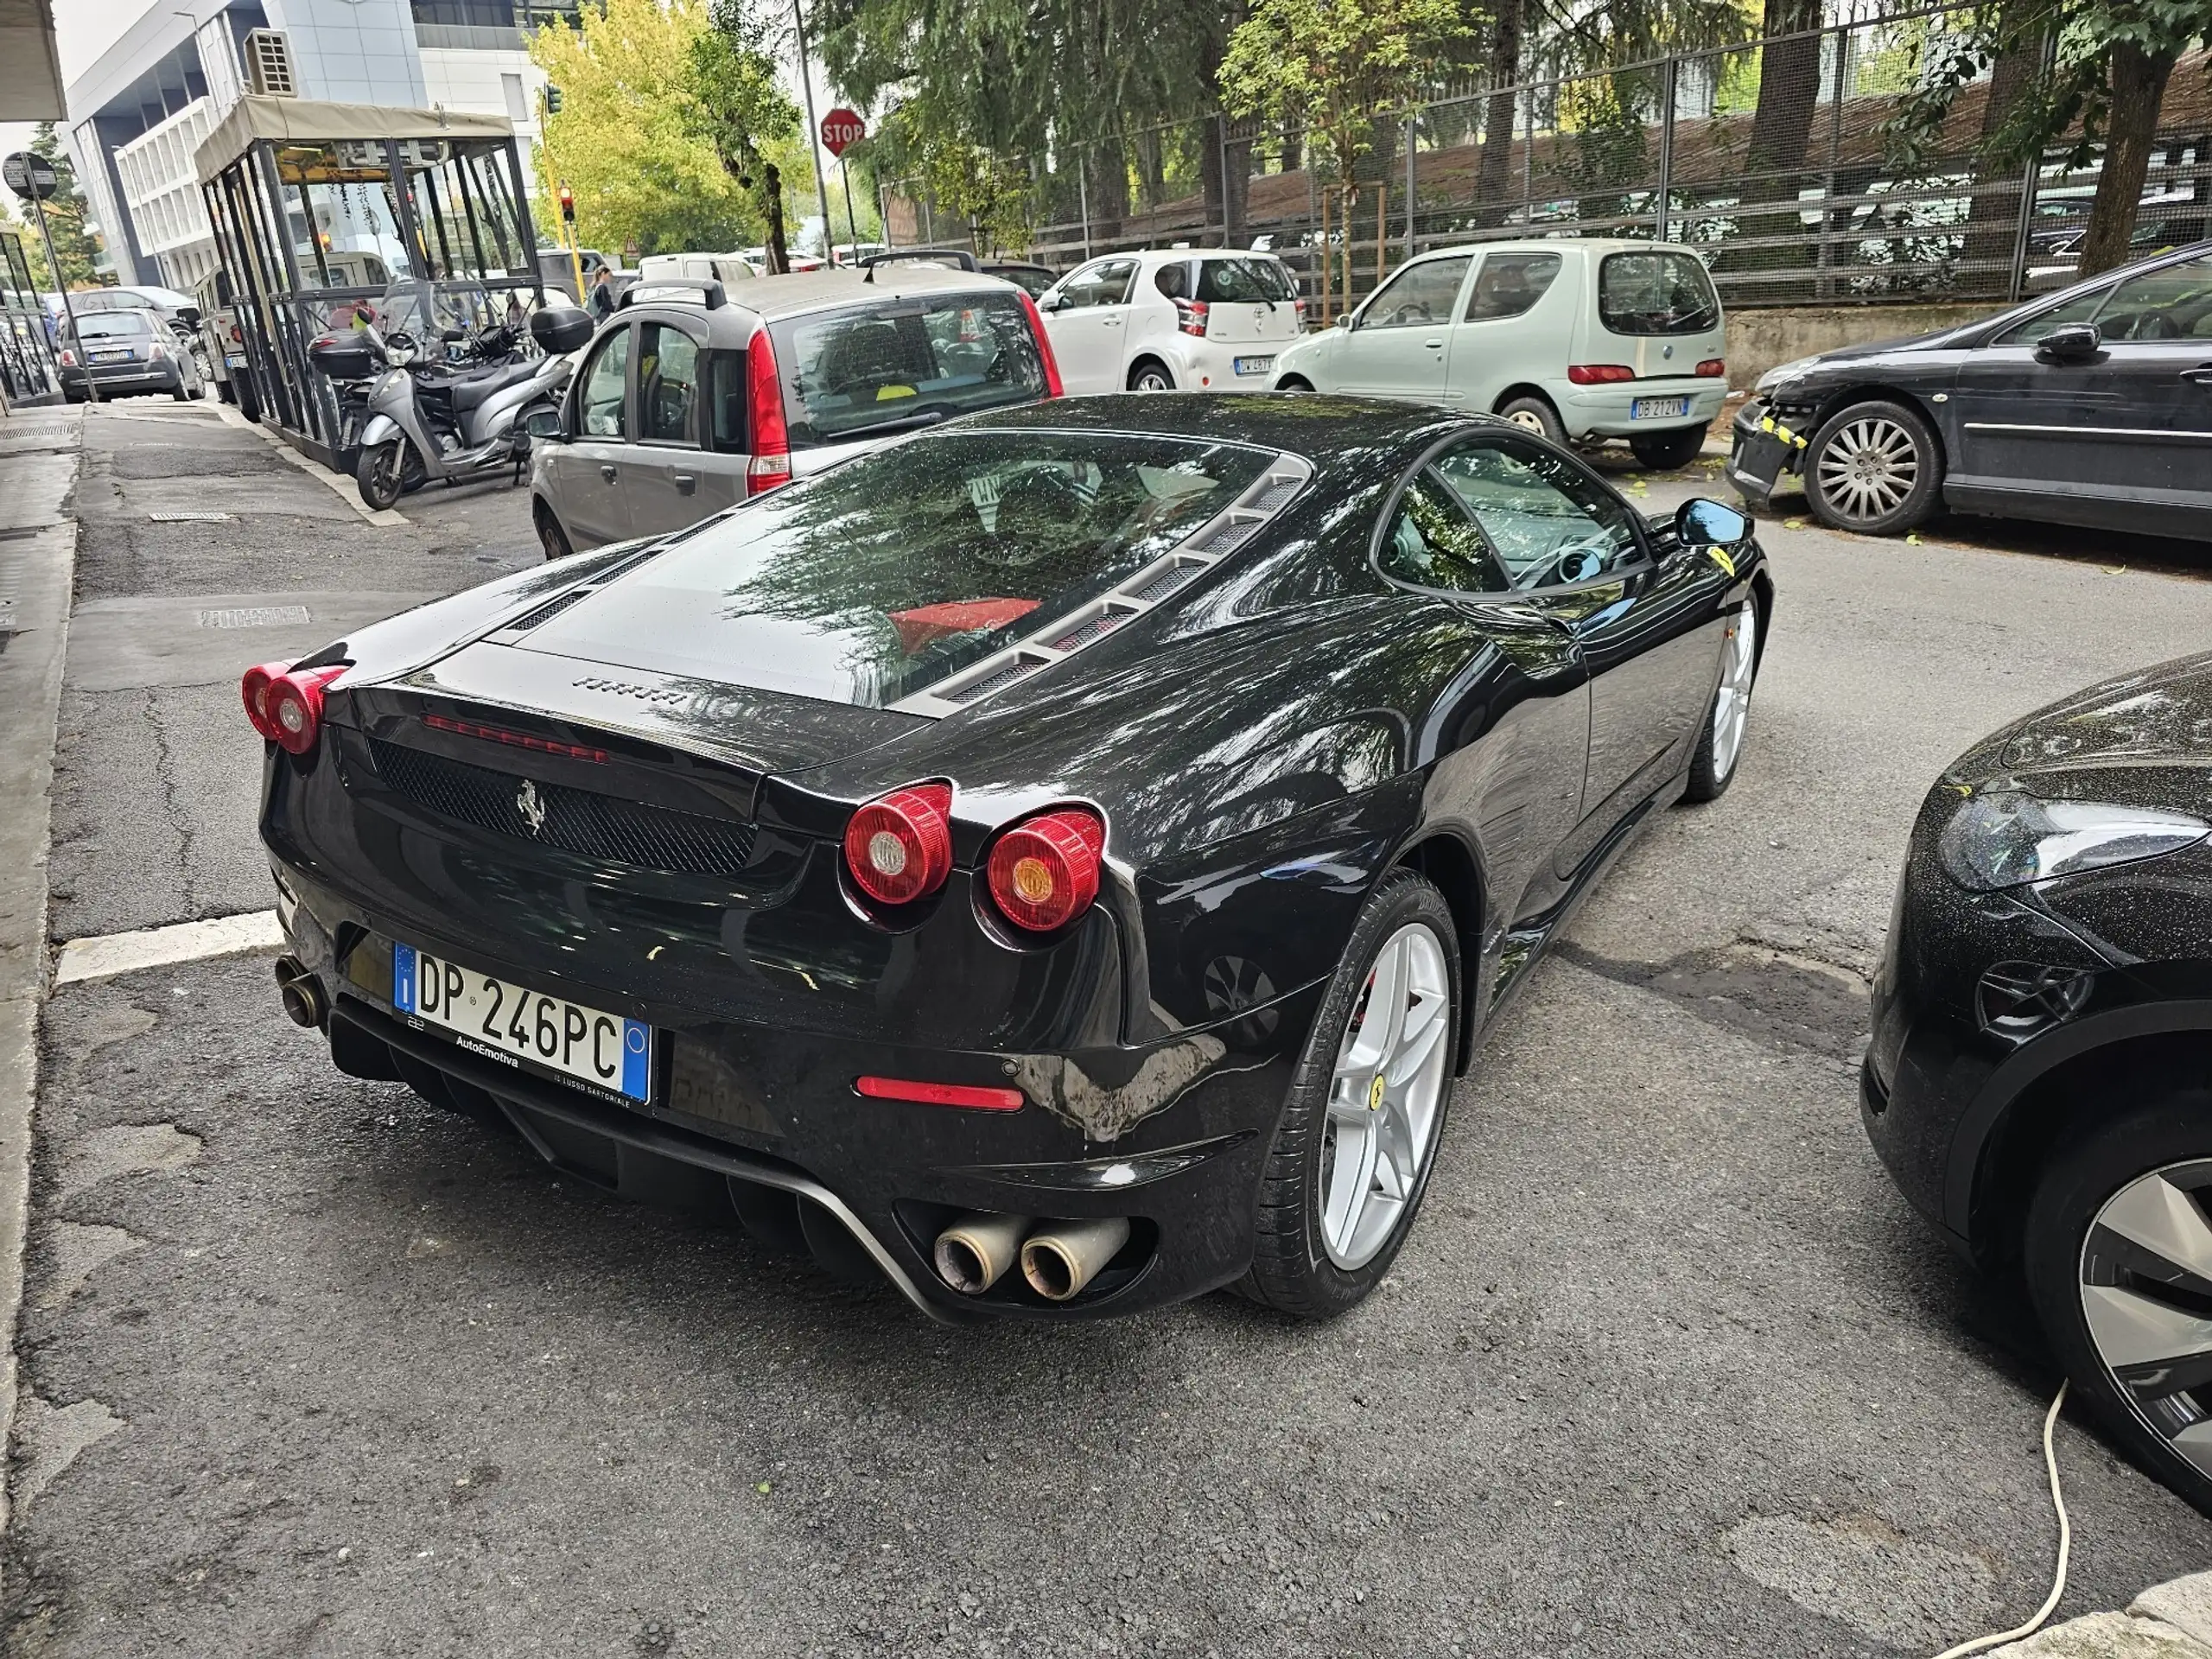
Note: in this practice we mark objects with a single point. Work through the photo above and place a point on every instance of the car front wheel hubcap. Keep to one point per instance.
(1527, 419)
(1870, 467)
(1731, 708)
(1385, 1097)
(2147, 1297)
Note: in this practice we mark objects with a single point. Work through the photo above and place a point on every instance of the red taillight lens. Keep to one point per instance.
(293, 703)
(1044, 871)
(899, 849)
(1052, 387)
(769, 438)
(1713, 368)
(1191, 316)
(253, 691)
(1598, 374)
(69, 358)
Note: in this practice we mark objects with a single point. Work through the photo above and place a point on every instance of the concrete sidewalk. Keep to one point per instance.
(38, 549)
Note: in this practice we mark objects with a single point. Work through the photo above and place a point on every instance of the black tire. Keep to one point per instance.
(1150, 374)
(1713, 768)
(381, 472)
(181, 391)
(1892, 455)
(2080, 1176)
(1537, 415)
(1665, 451)
(1291, 1268)
(551, 536)
(226, 391)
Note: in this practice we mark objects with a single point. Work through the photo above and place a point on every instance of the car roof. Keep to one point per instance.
(1554, 244)
(772, 299)
(1318, 426)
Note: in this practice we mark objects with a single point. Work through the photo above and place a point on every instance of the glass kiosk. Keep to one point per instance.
(326, 214)
(28, 375)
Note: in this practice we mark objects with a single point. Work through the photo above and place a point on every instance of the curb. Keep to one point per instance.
(2167, 1621)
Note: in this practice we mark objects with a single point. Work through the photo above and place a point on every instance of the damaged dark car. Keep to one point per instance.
(1057, 863)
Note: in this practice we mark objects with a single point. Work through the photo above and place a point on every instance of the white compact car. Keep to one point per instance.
(1576, 338)
(1172, 320)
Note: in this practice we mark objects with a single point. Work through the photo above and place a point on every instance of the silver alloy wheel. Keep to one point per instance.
(1153, 380)
(1869, 467)
(1731, 708)
(1386, 1097)
(2146, 1298)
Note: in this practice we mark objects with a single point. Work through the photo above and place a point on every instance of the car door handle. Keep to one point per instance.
(686, 482)
(1111, 322)
(1434, 345)
(2198, 376)
(607, 472)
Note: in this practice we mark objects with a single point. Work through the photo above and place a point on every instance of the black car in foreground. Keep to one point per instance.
(1059, 861)
(2090, 407)
(2040, 1079)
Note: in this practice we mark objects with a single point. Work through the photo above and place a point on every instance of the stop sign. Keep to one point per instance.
(840, 130)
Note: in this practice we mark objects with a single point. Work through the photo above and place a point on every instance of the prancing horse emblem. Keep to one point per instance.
(532, 809)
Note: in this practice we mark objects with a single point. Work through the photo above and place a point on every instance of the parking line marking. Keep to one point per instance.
(110, 954)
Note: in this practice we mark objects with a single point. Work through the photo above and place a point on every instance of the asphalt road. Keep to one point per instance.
(1666, 1369)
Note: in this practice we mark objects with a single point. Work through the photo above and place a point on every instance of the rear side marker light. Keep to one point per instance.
(513, 739)
(1713, 368)
(1052, 386)
(1044, 871)
(941, 1094)
(1600, 374)
(899, 849)
(285, 705)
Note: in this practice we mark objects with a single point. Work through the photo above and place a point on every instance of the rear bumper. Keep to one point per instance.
(1609, 411)
(126, 377)
(1210, 364)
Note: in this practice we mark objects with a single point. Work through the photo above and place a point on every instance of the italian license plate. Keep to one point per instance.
(1252, 365)
(111, 357)
(515, 1026)
(233, 360)
(1658, 408)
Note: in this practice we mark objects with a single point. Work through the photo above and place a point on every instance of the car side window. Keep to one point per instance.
(726, 402)
(2079, 309)
(668, 383)
(1106, 282)
(2172, 302)
(601, 402)
(1173, 280)
(1509, 284)
(1549, 521)
(1421, 295)
(1432, 541)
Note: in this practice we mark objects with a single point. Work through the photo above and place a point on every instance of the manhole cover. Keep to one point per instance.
(190, 518)
(256, 616)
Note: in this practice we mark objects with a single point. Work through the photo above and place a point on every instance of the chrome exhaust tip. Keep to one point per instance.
(301, 992)
(1066, 1256)
(974, 1252)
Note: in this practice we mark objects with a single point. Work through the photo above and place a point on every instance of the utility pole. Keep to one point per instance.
(561, 191)
(813, 132)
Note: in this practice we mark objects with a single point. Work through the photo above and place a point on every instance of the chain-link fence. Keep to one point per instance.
(1779, 159)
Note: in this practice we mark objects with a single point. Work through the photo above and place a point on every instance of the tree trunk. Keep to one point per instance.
(1781, 132)
(1328, 266)
(772, 204)
(1494, 173)
(1381, 230)
(1107, 176)
(1993, 218)
(2138, 88)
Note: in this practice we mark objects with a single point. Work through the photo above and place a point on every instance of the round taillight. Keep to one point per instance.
(253, 691)
(899, 849)
(1044, 871)
(294, 706)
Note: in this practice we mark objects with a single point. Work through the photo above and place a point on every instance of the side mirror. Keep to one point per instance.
(542, 423)
(1701, 522)
(189, 315)
(2072, 342)
(1344, 321)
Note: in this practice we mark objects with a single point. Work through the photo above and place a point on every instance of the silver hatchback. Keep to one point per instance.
(688, 401)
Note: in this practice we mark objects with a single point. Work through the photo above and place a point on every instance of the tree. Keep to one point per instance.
(627, 138)
(73, 245)
(743, 114)
(1341, 68)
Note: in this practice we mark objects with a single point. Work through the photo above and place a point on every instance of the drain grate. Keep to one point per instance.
(256, 616)
(191, 518)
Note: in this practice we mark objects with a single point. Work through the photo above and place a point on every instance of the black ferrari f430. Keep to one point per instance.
(1058, 863)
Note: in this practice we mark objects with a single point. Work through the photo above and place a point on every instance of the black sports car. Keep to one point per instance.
(2093, 407)
(1088, 837)
(2043, 1022)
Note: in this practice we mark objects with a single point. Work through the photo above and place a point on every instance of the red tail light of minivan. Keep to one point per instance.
(768, 438)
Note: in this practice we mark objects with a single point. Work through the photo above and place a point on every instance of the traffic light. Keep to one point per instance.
(567, 205)
(552, 100)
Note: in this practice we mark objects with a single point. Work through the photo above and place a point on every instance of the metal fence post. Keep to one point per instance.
(1082, 201)
(2032, 178)
(1824, 257)
(1667, 144)
(1413, 129)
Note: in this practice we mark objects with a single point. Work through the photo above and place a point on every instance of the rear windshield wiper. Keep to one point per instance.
(927, 417)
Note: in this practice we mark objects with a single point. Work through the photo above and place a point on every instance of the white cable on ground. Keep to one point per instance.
(2065, 1547)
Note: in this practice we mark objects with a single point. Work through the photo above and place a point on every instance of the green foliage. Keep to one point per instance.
(73, 245)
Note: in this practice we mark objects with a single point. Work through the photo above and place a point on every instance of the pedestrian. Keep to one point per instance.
(602, 294)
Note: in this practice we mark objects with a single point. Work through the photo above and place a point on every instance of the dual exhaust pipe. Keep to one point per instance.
(1059, 1258)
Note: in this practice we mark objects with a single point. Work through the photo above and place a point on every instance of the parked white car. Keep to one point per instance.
(694, 269)
(1172, 320)
(1577, 338)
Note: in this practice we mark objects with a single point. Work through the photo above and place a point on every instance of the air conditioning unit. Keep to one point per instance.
(268, 64)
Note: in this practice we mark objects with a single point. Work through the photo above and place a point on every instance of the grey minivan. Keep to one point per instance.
(688, 401)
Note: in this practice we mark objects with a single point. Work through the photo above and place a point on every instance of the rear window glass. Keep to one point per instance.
(104, 324)
(870, 582)
(1239, 281)
(1656, 294)
(847, 373)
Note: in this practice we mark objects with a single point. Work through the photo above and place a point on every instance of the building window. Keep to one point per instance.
(517, 104)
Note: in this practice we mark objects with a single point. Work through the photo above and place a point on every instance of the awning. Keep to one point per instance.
(30, 71)
(305, 121)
